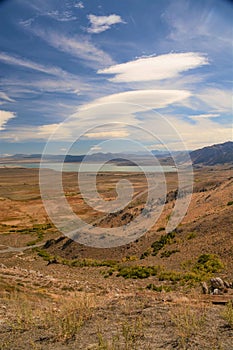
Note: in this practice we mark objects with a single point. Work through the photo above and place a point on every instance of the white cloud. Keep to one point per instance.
(96, 148)
(206, 29)
(55, 85)
(132, 108)
(120, 108)
(79, 5)
(63, 131)
(144, 124)
(138, 100)
(201, 133)
(107, 134)
(5, 116)
(55, 80)
(5, 97)
(155, 68)
(78, 47)
(69, 84)
(42, 132)
(64, 16)
(101, 23)
(217, 99)
(23, 62)
(26, 22)
(45, 9)
(198, 116)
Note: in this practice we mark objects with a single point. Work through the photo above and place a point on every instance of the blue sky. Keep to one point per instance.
(154, 71)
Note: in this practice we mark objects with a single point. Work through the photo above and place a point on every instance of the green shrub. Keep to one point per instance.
(129, 258)
(192, 277)
(75, 262)
(137, 271)
(189, 278)
(191, 235)
(160, 229)
(230, 203)
(164, 239)
(38, 229)
(145, 254)
(160, 288)
(170, 276)
(168, 253)
(43, 254)
(208, 263)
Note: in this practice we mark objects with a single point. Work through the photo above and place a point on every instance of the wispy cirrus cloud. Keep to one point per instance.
(64, 16)
(79, 5)
(5, 98)
(79, 47)
(26, 22)
(54, 79)
(219, 100)
(50, 9)
(101, 23)
(207, 29)
(26, 63)
(5, 116)
(65, 85)
(160, 67)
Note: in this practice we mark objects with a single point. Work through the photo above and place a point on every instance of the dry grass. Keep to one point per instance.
(63, 318)
(228, 314)
(128, 336)
(189, 321)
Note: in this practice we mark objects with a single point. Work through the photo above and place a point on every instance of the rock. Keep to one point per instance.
(217, 283)
(205, 288)
(227, 284)
(217, 286)
(217, 292)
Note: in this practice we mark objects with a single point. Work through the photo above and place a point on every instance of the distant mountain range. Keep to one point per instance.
(211, 155)
(95, 157)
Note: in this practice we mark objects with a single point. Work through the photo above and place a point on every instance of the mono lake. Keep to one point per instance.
(91, 167)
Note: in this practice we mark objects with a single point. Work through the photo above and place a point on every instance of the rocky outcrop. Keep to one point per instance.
(216, 286)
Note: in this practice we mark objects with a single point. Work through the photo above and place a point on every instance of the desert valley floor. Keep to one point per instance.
(58, 294)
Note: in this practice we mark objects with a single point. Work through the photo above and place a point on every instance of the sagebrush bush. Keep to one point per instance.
(159, 288)
(208, 263)
(137, 271)
(164, 239)
(168, 253)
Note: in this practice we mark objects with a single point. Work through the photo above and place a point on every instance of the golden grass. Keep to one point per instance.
(63, 317)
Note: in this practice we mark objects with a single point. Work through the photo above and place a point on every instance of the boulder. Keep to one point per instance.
(217, 283)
